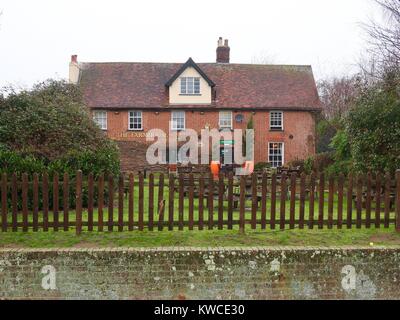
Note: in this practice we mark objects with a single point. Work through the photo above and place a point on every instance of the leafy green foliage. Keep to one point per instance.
(340, 144)
(49, 129)
(262, 165)
(338, 167)
(319, 163)
(373, 130)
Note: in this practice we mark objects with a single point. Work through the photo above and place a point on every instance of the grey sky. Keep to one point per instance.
(37, 37)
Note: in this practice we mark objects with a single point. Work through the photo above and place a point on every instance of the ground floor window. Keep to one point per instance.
(275, 154)
(100, 118)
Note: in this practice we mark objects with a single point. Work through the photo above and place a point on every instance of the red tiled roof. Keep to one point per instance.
(142, 85)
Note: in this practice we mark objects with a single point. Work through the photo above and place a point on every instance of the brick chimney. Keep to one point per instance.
(223, 51)
(74, 69)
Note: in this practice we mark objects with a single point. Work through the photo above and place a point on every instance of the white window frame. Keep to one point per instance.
(185, 89)
(101, 121)
(132, 117)
(282, 153)
(220, 120)
(174, 127)
(271, 118)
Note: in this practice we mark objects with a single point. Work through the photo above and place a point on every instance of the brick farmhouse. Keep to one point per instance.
(129, 99)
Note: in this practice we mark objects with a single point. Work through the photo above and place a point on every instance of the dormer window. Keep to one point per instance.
(190, 85)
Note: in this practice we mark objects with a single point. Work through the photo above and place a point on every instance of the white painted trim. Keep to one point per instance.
(129, 119)
(189, 94)
(283, 122)
(184, 120)
(219, 120)
(93, 118)
(283, 151)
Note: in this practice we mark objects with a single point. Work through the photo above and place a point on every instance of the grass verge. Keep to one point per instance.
(205, 238)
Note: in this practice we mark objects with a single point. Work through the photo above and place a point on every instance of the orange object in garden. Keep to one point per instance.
(172, 167)
(249, 166)
(215, 168)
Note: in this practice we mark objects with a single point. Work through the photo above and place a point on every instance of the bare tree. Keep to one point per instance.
(385, 38)
(337, 96)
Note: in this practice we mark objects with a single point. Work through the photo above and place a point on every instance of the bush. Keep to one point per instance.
(319, 163)
(49, 129)
(297, 163)
(308, 165)
(261, 166)
(340, 143)
(345, 167)
(373, 128)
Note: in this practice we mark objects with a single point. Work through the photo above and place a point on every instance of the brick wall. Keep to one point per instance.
(254, 273)
(298, 135)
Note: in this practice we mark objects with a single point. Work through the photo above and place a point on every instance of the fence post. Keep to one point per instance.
(78, 202)
(398, 200)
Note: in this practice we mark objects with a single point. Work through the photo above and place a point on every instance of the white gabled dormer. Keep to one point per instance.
(190, 85)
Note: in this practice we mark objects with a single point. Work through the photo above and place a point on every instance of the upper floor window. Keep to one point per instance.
(190, 85)
(135, 120)
(178, 120)
(276, 120)
(100, 118)
(225, 119)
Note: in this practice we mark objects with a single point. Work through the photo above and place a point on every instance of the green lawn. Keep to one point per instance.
(206, 238)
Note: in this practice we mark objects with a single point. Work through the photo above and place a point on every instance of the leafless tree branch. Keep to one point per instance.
(385, 38)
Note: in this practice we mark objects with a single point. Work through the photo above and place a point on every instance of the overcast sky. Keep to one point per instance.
(37, 37)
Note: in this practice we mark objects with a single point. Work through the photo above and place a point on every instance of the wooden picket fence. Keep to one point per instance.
(188, 202)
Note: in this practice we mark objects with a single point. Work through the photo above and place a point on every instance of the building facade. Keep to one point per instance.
(129, 99)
